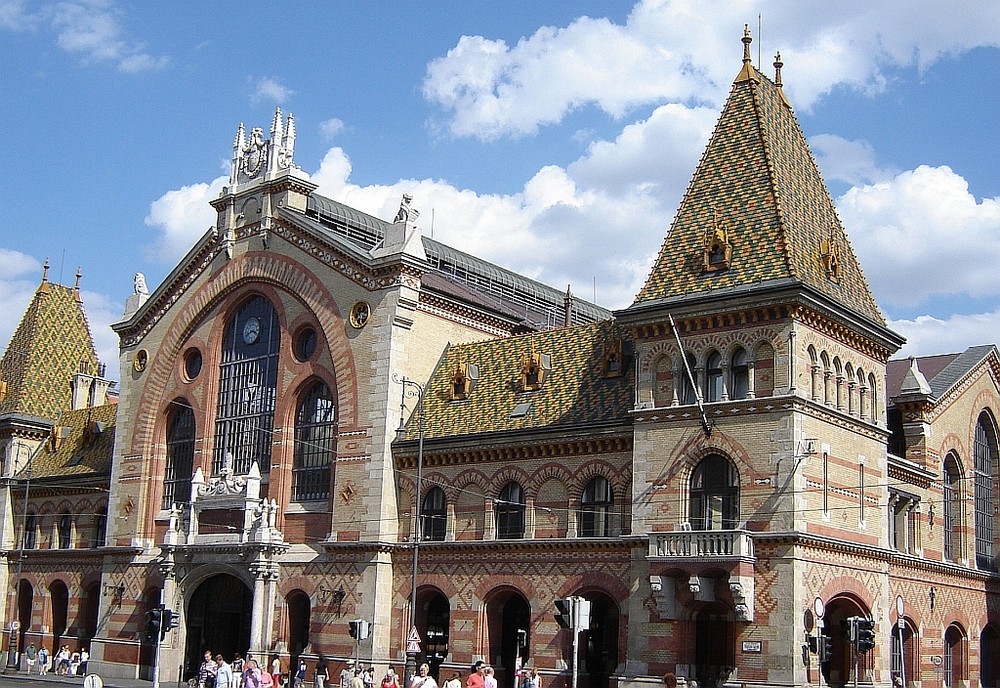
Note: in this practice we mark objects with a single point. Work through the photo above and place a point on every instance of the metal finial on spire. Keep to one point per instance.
(747, 40)
(76, 287)
(45, 271)
(778, 64)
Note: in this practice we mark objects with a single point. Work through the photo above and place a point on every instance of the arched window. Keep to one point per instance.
(180, 455)
(65, 530)
(904, 653)
(954, 657)
(434, 515)
(985, 450)
(989, 656)
(596, 506)
(510, 512)
(315, 444)
(715, 495)
(100, 528)
(30, 531)
(713, 377)
(686, 388)
(951, 509)
(248, 379)
(740, 373)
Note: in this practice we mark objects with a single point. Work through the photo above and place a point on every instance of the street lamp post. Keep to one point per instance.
(413, 637)
(14, 646)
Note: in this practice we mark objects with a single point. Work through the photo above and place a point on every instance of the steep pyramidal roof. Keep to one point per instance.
(758, 188)
(50, 345)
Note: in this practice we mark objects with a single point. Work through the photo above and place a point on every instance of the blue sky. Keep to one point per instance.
(534, 134)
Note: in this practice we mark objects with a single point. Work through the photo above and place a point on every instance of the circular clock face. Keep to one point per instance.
(251, 330)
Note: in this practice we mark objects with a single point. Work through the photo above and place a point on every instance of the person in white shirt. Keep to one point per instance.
(223, 674)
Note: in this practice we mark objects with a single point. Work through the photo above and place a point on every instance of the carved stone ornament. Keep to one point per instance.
(255, 153)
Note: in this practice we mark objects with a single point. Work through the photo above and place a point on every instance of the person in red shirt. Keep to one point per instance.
(476, 679)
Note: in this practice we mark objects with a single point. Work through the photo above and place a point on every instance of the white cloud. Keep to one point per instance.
(271, 90)
(181, 217)
(688, 51)
(92, 30)
(848, 161)
(927, 335)
(328, 129)
(923, 233)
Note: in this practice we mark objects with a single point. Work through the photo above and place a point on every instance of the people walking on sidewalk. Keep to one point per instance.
(43, 661)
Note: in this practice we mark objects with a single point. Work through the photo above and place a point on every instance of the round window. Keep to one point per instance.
(305, 344)
(192, 364)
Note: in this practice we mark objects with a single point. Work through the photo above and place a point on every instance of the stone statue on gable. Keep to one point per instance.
(406, 213)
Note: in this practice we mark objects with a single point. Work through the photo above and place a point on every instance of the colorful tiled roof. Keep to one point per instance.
(50, 345)
(85, 449)
(575, 392)
(758, 179)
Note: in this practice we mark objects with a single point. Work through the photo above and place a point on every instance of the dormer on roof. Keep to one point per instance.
(534, 369)
(718, 249)
(463, 380)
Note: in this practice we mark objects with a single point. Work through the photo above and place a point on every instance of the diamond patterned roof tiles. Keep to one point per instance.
(758, 174)
(50, 345)
(82, 452)
(575, 391)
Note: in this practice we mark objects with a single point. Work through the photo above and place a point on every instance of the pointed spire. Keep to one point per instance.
(747, 73)
(76, 287)
(914, 381)
(43, 288)
(778, 64)
(276, 126)
(241, 139)
(290, 131)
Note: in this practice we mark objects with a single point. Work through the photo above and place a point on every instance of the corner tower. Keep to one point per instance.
(760, 411)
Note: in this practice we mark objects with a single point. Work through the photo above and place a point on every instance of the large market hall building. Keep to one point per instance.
(726, 469)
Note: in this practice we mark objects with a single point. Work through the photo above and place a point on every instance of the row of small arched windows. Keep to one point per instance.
(843, 386)
(597, 516)
(64, 531)
(716, 377)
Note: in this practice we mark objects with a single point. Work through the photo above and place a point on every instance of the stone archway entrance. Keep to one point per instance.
(509, 638)
(218, 619)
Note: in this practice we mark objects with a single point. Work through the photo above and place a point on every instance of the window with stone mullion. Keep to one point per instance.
(315, 436)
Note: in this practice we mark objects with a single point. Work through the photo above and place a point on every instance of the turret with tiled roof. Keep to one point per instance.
(757, 214)
(51, 345)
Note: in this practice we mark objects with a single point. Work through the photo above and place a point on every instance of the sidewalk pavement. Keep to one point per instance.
(58, 681)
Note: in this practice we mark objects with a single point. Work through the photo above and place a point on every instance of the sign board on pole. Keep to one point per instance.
(413, 642)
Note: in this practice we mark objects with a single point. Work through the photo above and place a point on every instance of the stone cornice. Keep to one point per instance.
(476, 548)
(472, 451)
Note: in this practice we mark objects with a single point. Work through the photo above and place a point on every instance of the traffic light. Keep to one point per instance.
(565, 616)
(168, 622)
(582, 616)
(825, 647)
(866, 635)
(358, 628)
(154, 625)
(849, 627)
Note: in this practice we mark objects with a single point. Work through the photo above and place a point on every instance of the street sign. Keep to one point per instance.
(413, 642)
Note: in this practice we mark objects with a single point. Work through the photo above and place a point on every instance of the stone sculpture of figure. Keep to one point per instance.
(406, 212)
(139, 282)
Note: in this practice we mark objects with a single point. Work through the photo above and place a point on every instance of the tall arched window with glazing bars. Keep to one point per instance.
(180, 455)
(985, 457)
(248, 380)
(315, 444)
